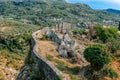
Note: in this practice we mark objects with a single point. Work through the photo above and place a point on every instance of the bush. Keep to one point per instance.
(110, 73)
(97, 56)
(39, 76)
(113, 45)
(45, 37)
(79, 31)
(104, 34)
(60, 77)
(49, 57)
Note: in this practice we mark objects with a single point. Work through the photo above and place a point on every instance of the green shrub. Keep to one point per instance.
(60, 77)
(38, 76)
(49, 57)
(104, 34)
(110, 73)
(30, 61)
(113, 45)
(97, 56)
(45, 37)
(79, 31)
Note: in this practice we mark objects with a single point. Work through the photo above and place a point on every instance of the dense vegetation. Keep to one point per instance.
(14, 45)
(16, 36)
(48, 13)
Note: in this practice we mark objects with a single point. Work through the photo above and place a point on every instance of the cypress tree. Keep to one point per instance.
(119, 26)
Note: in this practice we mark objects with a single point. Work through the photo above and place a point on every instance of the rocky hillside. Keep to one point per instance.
(20, 18)
(62, 54)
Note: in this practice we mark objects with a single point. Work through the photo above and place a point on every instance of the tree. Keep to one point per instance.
(119, 26)
(97, 57)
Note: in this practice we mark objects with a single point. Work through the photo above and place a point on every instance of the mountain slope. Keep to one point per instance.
(47, 12)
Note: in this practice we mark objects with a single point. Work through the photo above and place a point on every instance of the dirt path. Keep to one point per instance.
(4, 28)
(47, 47)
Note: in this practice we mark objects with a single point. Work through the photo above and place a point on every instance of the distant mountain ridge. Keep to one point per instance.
(113, 11)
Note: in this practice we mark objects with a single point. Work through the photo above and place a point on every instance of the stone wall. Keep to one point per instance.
(40, 64)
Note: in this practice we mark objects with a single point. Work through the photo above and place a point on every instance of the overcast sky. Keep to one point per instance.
(99, 4)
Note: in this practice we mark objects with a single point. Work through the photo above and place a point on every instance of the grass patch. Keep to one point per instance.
(62, 66)
(71, 71)
(45, 37)
(60, 77)
(74, 77)
(49, 57)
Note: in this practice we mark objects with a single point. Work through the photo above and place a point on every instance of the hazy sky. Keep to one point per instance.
(100, 4)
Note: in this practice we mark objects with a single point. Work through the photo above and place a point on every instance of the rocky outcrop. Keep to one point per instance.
(53, 36)
(66, 47)
(37, 67)
(65, 43)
